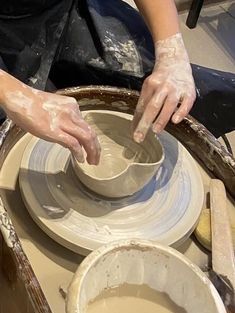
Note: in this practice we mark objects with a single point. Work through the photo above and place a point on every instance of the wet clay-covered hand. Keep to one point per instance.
(51, 117)
(169, 92)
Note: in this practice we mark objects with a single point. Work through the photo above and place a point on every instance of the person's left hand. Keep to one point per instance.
(171, 83)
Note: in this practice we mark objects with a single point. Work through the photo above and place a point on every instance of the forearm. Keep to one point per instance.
(7, 84)
(171, 81)
(49, 116)
(161, 17)
(11, 89)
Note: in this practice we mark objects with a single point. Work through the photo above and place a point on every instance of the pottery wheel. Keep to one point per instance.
(166, 210)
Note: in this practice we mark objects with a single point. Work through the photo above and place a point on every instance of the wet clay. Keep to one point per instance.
(133, 299)
(166, 210)
(125, 167)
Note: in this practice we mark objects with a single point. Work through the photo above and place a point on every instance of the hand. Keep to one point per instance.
(170, 84)
(54, 118)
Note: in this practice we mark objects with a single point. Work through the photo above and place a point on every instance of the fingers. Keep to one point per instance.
(72, 144)
(168, 110)
(87, 139)
(145, 96)
(138, 113)
(152, 109)
(74, 125)
(166, 113)
(184, 109)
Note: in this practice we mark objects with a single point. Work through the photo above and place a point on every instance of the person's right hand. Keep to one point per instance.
(168, 93)
(54, 118)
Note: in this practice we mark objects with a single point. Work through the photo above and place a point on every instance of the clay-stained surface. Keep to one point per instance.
(133, 299)
(166, 210)
(54, 265)
(140, 262)
(125, 166)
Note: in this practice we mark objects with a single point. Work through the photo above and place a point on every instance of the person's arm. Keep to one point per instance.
(171, 81)
(161, 17)
(49, 116)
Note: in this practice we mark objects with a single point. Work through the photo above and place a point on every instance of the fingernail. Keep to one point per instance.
(138, 136)
(157, 129)
(176, 119)
(79, 157)
(91, 160)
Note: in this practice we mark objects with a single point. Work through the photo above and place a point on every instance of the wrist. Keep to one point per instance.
(171, 48)
(13, 93)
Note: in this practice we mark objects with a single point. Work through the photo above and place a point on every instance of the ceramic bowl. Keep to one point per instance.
(140, 262)
(125, 166)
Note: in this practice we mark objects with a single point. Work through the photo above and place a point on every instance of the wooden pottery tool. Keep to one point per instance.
(222, 247)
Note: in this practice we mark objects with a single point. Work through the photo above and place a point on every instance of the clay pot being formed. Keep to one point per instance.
(125, 166)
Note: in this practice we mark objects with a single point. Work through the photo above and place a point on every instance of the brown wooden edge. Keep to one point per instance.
(194, 136)
(16, 272)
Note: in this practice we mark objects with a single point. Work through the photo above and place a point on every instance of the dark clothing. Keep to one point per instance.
(30, 36)
(97, 42)
(215, 104)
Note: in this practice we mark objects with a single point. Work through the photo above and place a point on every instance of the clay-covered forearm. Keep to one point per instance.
(49, 116)
(9, 85)
(160, 16)
(169, 92)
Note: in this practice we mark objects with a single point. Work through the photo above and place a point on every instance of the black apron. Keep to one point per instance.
(80, 42)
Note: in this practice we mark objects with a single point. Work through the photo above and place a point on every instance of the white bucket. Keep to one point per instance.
(143, 262)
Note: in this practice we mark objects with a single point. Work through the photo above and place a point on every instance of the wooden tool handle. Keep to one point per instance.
(222, 245)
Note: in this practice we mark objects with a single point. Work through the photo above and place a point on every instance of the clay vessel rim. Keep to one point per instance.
(123, 171)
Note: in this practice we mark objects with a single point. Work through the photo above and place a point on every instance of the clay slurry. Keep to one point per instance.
(133, 299)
